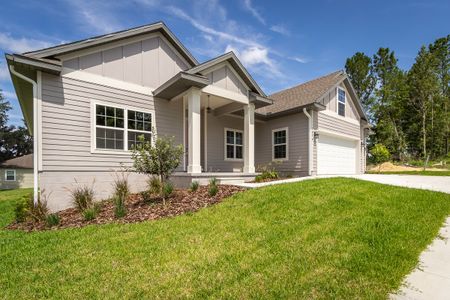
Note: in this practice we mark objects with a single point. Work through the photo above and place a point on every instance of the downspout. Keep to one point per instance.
(310, 144)
(35, 132)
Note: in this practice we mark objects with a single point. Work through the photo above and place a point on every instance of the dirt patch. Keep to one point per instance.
(138, 209)
(390, 167)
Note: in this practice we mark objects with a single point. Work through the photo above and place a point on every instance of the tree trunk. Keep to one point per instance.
(424, 134)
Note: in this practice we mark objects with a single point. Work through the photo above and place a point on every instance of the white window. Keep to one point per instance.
(233, 144)
(119, 128)
(10, 175)
(341, 102)
(280, 144)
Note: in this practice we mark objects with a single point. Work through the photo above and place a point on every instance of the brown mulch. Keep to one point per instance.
(138, 209)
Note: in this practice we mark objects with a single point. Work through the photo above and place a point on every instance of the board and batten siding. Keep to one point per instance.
(297, 125)
(149, 62)
(330, 102)
(226, 78)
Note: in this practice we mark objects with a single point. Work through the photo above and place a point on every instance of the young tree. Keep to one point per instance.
(423, 90)
(359, 70)
(379, 154)
(160, 158)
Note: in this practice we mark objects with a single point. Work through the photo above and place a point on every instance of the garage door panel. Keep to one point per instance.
(336, 155)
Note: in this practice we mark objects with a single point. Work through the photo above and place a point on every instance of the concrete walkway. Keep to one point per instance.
(432, 183)
(431, 279)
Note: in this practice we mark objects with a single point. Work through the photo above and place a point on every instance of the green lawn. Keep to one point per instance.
(334, 238)
(425, 173)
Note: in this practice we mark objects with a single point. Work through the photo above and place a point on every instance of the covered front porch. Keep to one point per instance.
(218, 120)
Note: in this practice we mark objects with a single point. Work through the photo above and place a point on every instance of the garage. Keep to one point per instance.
(336, 155)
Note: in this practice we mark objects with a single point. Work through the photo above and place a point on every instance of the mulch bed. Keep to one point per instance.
(138, 209)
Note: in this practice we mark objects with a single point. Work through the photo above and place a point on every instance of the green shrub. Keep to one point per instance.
(213, 188)
(259, 178)
(52, 220)
(267, 172)
(25, 209)
(90, 213)
(154, 185)
(82, 197)
(194, 186)
(379, 154)
(167, 189)
(121, 193)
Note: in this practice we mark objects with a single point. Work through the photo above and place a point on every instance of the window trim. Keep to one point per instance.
(287, 144)
(6, 175)
(125, 151)
(225, 144)
(337, 101)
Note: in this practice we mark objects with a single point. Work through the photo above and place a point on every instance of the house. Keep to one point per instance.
(17, 173)
(86, 103)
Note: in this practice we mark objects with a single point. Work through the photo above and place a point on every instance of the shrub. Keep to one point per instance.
(167, 189)
(160, 158)
(259, 178)
(194, 186)
(213, 188)
(121, 193)
(83, 197)
(267, 172)
(90, 213)
(379, 154)
(154, 185)
(26, 209)
(52, 220)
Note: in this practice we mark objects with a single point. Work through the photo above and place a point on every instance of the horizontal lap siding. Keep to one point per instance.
(298, 143)
(66, 124)
(337, 125)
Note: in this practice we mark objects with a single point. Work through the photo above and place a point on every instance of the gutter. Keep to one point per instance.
(35, 132)
(310, 144)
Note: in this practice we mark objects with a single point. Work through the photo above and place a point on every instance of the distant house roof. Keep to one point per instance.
(302, 94)
(22, 162)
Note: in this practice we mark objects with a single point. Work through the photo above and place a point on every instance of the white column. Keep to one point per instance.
(193, 98)
(249, 138)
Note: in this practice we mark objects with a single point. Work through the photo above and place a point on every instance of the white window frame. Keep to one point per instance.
(225, 144)
(125, 151)
(6, 175)
(337, 101)
(287, 144)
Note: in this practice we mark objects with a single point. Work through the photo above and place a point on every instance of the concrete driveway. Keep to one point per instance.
(433, 183)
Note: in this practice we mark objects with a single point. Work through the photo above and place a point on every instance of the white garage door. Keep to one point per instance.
(336, 155)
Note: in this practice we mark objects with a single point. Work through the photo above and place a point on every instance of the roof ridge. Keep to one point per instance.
(335, 73)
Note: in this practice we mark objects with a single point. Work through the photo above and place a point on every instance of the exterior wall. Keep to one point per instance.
(330, 101)
(66, 134)
(24, 179)
(216, 143)
(297, 125)
(149, 62)
(225, 78)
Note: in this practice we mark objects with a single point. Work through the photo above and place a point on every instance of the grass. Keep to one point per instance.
(334, 238)
(424, 173)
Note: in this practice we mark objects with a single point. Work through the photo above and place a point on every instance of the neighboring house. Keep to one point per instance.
(88, 101)
(17, 173)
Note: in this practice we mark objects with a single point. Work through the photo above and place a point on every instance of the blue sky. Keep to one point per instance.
(281, 43)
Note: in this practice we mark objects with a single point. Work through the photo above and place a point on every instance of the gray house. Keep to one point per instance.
(86, 102)
(17, 173)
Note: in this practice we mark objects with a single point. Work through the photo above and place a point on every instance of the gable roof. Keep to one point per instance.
(22, 162)
(51, 52)
(307, 93)
(236, 64)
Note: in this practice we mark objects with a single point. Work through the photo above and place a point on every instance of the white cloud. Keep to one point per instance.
(4, 74)
(19, 45)
(255, 13)
(280, 29)
(299, 59)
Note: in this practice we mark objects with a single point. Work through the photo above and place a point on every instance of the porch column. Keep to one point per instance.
(249, 138)
(193, 99)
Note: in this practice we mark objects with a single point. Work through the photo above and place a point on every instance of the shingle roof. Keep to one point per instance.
(302, 94)
(22, 162)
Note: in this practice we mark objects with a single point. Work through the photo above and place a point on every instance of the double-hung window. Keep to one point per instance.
(10, 175)
(280, 144)
(341, 102)
(120, 128)
(233, 144)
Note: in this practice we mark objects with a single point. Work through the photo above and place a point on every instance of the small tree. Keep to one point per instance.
(160, 158)
(380, 154)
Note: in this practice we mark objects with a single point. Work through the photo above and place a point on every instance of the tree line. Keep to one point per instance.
(407, 108)
(15, 141)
